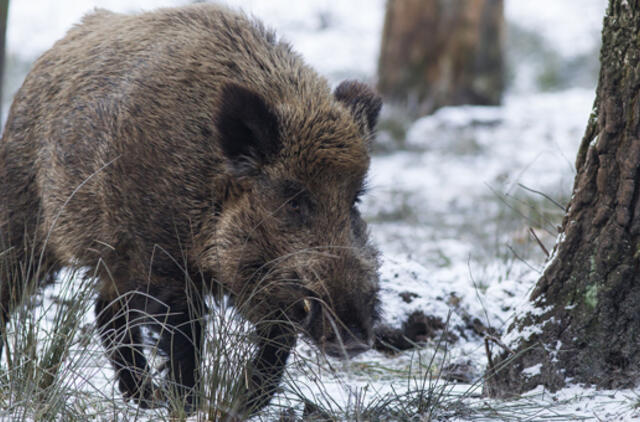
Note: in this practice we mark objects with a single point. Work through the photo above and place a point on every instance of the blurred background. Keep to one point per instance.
(484, 47)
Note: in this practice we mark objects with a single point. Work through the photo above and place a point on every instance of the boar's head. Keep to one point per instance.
(290, 243)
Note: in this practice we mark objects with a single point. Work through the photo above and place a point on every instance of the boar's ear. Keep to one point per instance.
(248, 128)
(361, 100)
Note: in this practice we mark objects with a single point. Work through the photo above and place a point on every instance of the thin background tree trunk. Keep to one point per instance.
(585, 322)
(442, 52)
(4, 14)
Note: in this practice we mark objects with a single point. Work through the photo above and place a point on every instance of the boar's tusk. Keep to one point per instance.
(307, 305)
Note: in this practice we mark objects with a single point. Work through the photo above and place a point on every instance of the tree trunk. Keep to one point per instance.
(442, 52)
(4, 13)
(584, 322)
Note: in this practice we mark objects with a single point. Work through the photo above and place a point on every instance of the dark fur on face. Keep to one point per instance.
(191, 144)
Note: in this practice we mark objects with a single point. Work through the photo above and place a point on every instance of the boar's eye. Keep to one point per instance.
(297, 202)
(296, 210)
(294, 205)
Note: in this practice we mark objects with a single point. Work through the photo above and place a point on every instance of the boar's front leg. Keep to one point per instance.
(177, 317)
(181, 336)
(275, 342)
(119, 330)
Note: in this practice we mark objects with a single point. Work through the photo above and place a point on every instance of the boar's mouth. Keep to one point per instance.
(340, 334)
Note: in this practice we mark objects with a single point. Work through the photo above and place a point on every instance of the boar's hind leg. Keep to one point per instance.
(274, 346)
(120, 332)
(25, 265)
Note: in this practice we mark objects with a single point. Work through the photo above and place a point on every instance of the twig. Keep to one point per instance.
(502, 199)
(499, 342)
(488, 351)
(477, 291)
(535, 236)
(513, 251)
(496, 340)
(544, 195)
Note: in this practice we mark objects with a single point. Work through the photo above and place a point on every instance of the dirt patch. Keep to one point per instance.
(462, 372)
(408, 297)
(416, 330)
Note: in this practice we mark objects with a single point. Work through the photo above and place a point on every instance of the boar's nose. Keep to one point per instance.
(348, 344)
(346, 350)
(355, 348)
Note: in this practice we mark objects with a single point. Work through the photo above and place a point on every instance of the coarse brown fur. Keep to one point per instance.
(174, 151)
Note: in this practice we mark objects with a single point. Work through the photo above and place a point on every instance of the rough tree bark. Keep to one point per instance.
(442, 52)
(4, 14)
(584, 322)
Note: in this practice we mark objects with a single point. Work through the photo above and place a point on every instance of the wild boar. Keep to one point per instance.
(176, 151)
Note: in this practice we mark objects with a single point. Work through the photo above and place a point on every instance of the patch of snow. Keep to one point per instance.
(531, 140)
(400, 275)
(524, 334)
(532, 371)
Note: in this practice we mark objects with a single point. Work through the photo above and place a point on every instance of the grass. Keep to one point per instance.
(41, 362)
(316, 390)
(53, 368)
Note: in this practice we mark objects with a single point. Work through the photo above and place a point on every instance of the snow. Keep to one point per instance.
(532, 371)
(450, 210)
(314, 27)
(41, 22)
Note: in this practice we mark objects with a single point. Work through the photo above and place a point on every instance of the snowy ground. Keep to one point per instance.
(451, 209)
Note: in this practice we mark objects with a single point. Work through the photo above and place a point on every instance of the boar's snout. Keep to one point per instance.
(342, 324)
(343, 341)
(347, 343)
